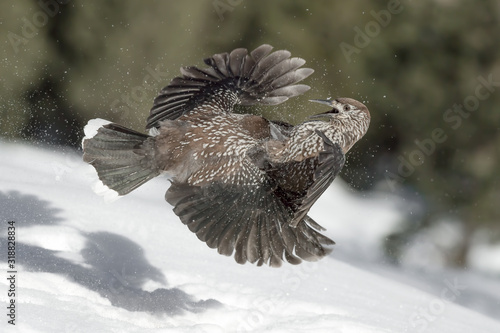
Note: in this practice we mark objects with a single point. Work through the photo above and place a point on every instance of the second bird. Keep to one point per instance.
(241, 183)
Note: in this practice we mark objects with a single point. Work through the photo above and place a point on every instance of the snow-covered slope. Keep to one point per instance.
(84, 265)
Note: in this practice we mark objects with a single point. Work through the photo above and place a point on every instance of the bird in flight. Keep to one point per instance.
(242, 183)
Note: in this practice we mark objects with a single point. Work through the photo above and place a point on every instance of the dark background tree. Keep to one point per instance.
(411, 62)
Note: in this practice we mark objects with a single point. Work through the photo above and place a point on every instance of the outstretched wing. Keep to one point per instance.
(250, 221)
(329, 163)
(239, 77)
(300, 183)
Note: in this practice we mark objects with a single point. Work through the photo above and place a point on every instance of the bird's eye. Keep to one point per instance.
(346, 108)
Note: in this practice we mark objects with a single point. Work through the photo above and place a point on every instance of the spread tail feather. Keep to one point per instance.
(123, 158)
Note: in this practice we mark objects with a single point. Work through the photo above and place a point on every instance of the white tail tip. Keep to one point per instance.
(93, 126)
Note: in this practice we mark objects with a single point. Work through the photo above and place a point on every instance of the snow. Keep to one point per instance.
(483, 255)
(86, 265)
(93, 126)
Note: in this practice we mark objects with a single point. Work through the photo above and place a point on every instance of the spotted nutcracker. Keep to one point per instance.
(243, 184)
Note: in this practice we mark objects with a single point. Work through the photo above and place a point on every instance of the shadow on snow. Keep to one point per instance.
(116, 266)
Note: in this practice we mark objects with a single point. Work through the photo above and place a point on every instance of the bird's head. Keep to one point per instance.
(341, 108)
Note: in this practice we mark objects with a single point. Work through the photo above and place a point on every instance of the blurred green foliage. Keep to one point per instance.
(63, 63)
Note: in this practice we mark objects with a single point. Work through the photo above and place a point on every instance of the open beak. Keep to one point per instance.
(328, 113)
(322, 101)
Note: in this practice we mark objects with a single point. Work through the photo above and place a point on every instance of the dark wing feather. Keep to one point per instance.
(330, 162)
(259, 77)
(298, 184)
(249, 221)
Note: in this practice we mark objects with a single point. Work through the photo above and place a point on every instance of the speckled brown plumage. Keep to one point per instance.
(241, 183)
